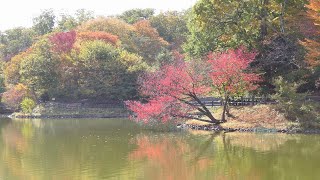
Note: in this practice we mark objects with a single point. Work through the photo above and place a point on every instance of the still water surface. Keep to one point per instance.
(119, 149)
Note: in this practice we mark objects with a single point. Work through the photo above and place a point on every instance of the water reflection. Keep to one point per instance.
(259, 142)
(168, 157)
(119, 149)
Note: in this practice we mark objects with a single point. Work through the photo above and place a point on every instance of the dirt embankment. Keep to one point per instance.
(260, 118)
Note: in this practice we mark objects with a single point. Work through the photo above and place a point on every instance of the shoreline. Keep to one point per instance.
(245, 119)
(184, 126)
(219, 128)
(71, 116)
(58, 110)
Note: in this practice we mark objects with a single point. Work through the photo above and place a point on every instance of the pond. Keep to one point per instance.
(119, 149)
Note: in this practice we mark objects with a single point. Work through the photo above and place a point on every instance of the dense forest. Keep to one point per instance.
(81, 56)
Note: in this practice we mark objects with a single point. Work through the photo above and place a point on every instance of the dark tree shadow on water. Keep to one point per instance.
(204, 147)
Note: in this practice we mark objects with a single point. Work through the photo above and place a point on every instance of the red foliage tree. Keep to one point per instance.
(229, 76)
(99, 35)
(172, 88)
(170, 91)
(63, 41)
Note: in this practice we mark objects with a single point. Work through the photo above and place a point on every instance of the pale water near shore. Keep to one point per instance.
(119, 149)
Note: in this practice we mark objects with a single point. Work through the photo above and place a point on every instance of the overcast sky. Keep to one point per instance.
(15, 13)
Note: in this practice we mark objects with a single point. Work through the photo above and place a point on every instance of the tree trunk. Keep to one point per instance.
(225, 104)
(204, 109)
(33, 92)
(282, 22)
(263, 16)
(228, 111)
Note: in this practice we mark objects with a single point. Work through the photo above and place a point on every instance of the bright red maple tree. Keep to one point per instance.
(229, 76)
(172, 89)
(169, 91)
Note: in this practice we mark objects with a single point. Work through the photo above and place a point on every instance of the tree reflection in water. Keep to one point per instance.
(170, 157)
(226, 156)
(116, 149)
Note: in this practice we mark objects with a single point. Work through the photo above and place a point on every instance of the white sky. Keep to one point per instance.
(15, 13)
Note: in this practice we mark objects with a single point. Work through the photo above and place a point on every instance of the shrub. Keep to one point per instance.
(27, 105)
(295, 105)
(14, 96)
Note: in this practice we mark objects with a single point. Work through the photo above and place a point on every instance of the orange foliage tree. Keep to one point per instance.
(14, 96)
(149, 43)
(140, 38)
(313, 44)
(12, 68)
(114, 26)
(99, 35)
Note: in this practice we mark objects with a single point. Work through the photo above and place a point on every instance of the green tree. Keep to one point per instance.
(27, 105)
(67, 22)
(107, 71)
(44, 23)
(172, 27)
(222, 24)
(134, 15)
(38, 70)
(14, 41)
(83, 15)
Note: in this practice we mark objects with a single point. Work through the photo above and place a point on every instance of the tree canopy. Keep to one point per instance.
(161, 62)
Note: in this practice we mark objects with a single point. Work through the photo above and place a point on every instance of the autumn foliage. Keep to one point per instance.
(313, 43)
(229, 76)
(63, 41)
(313, 12)
(169, 90)
(228, 72)
(166, 154)
(144, 28)
(14, 96)
(172, 88)
(313, 48)
(12, 68)
(99, 35)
